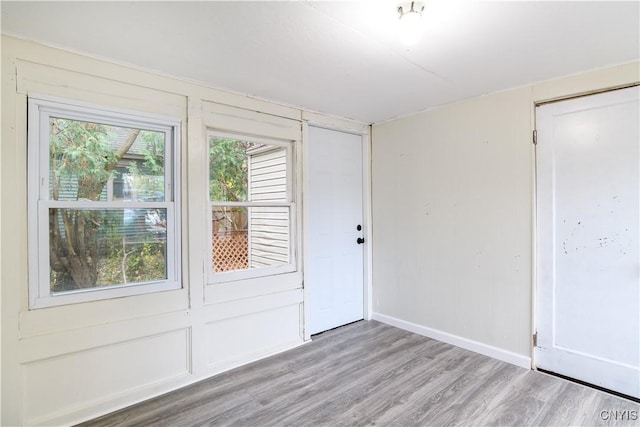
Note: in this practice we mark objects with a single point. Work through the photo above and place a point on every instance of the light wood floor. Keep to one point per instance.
(368, 373)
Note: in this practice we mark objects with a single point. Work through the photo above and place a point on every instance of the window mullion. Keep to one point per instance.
(93, 205)
(252, 204)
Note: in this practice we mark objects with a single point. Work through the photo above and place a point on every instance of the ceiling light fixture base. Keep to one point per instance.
(410, 21)
(410, 7)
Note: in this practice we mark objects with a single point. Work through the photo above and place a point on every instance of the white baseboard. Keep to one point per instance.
(467, 344)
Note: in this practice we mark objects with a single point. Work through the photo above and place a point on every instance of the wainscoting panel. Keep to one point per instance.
(238, 340)
(67, 383)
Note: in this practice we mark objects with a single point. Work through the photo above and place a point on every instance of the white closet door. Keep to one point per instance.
(588, 245)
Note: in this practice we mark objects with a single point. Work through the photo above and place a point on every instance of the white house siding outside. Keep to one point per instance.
(268, 226)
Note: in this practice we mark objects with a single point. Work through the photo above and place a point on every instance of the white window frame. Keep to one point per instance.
(235, 275)
(40, 109)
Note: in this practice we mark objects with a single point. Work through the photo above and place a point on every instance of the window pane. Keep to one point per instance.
(98, 248)
(268, 236)
(241, 171)
(92, 161)
(248, 238)
(229, 239)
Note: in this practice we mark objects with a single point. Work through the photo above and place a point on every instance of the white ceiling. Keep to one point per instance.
(342, 57)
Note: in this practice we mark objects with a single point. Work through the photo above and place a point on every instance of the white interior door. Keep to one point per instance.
(334, 267)
(588, 257)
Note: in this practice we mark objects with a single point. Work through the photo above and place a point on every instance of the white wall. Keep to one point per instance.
(453, 195)
(65, 364)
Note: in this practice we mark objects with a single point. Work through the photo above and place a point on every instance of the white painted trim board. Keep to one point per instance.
(458, 341)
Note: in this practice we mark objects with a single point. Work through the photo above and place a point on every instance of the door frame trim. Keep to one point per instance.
(364, 131)
(583, 94)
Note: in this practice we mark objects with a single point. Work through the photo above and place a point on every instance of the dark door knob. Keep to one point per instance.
(360, 240)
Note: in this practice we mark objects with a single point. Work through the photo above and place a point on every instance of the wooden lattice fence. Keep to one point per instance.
(230, 251)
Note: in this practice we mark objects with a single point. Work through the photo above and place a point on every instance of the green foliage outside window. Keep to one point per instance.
(228, 182)
(228, 170)
(88, 248)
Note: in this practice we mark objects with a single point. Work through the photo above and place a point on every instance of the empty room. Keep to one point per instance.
(323, 213)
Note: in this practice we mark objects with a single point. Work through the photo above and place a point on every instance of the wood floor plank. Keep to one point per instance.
(328, 379)
(325, 410)
(475, 400)
(371, 394)
(392, 397)
(526, 398)
(428, 397)
(369, 373)
(609, 410)
(400, 395)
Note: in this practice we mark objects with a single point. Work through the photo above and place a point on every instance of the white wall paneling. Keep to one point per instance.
(66, 364)
(54, 81)
(230, 291)
(78, 380)
(452, 212)
(232, 119)
(253, 335)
